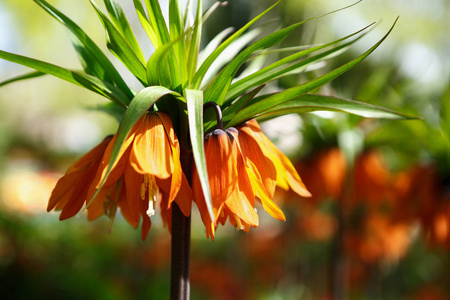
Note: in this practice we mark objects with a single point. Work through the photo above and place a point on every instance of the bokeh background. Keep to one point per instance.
(377, 226)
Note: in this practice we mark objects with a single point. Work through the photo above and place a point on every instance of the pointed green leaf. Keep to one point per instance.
(312, 102)
(177, 34)
(158, 71)
(92, 83)
(285, 65)
(271, 101)
(120, 21)
(193, 42)
(208, 62)
(194, 99)
(229, 57)
(145, 22)
(99, 64)
(157, 22)
(118, 45)
(138, 106)
(22, 77)
(218, 88)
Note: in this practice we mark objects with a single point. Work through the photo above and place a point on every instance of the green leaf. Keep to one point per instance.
(211, 58)
(177, 34)
(22, 77)
(312, 102)
(158, 71)
(118, 45)
(230, 55)
(157, 22)
(285, 66)
(89, 52)
(193, 42)
(92, 83)
(273, 100)
(145, 22)
(138, 106)
(194, 99)
(120, 21)
(218, 88)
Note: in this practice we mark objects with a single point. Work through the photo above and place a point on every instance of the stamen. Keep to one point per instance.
(151, 210)
(239, 225)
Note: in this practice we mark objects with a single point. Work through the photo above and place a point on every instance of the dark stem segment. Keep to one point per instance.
(181, 241)
(216, 108)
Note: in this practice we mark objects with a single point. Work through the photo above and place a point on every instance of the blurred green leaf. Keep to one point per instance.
(92, 83)
(22, 77)
(94, 60)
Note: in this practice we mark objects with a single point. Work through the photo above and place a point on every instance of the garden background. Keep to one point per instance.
(377, 226)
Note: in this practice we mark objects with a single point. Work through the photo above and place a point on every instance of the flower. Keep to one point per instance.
(147, 169)
(243, 165)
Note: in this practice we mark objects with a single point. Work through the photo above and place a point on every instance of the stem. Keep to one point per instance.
(216, 108)
(181, 242)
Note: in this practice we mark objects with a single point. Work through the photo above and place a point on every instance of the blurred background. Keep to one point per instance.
(377, 226)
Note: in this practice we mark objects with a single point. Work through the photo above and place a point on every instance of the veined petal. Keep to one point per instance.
(125, 208)
(85, 166)
(221, 167)
(151, 151)
(199, 199)
(289, 174)
(104, 199)
(269, 206)
(133, 186)
(252, 142)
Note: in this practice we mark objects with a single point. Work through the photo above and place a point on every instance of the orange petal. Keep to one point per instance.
(199, 199)
(252, 143)
(221, 166)
(63, 190)
(151, 151)
(125, 209)
(269, 206)
(65, 187)
(133, 185)
(242, 202)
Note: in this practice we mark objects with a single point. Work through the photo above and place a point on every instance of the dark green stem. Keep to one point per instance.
(218, 111)
(181, 242)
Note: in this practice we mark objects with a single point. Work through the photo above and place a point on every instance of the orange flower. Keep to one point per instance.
(243, 165)
(147, 168)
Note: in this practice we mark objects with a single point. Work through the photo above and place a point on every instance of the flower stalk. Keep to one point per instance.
(181, 241)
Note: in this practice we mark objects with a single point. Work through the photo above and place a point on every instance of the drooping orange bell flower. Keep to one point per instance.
(243, 165)
(147, 169)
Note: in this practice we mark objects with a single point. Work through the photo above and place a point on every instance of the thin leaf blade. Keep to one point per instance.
(194, 99)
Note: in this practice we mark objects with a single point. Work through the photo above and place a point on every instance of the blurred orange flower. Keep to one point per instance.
(138, 177)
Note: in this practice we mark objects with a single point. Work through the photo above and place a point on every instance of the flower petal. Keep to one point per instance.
(252, 143)
(221, 166)
(151, 151)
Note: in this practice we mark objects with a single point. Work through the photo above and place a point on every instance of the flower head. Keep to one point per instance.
(147, 169)
(243, 165)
